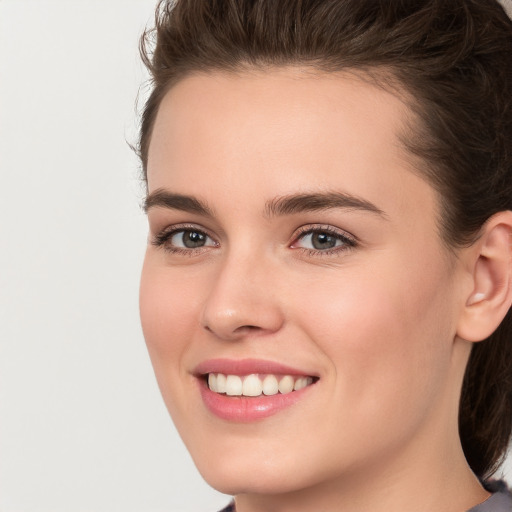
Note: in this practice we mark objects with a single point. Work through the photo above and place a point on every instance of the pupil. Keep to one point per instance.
(323, 241)
(192, 239)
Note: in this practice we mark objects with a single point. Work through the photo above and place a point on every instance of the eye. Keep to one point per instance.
(320, 241)
(190, 239)
(323, 240)
(183, 240)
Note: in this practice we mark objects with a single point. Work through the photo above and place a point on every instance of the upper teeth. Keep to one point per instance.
(255, 385)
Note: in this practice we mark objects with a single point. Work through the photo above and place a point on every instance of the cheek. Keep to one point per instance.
(167, 311)
(387, 339)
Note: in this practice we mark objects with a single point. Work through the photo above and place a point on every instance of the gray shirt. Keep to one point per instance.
(498, 502)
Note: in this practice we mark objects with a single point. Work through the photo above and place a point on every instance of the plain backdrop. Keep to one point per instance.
(82, 424)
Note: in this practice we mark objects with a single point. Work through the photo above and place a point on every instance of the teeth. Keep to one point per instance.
(221, 383)
(270, 385)
(286, 384)
(252, 386)
(233, 385)
(256, 385)
(302, 382)
(212, 382)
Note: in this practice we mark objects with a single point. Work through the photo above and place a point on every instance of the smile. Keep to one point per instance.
(250, 390)
(255, 385)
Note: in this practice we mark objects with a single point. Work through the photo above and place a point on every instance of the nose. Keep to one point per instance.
(243, 300)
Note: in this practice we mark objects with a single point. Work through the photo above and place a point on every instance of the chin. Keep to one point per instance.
(257, 472)
(249, 480)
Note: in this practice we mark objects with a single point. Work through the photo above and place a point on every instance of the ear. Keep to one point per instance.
(491, 270)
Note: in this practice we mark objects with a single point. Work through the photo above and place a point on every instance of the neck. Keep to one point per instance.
(401, 486)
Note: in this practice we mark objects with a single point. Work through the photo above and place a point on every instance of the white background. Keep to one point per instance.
(82, 424)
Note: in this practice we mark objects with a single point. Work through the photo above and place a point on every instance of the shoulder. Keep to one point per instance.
(499, 501)
(229, 508)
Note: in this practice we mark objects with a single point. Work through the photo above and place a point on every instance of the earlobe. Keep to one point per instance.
(491, 294)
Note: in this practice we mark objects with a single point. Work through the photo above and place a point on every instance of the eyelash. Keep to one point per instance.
(162, 238)
(348, 241)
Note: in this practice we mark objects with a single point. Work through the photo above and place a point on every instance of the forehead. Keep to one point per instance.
(275, 132)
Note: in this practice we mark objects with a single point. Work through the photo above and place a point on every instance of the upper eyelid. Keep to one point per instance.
(185, 226)
(167, 232)
(312, 228)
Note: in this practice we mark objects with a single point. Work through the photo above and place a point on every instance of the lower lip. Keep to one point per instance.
(247, 409)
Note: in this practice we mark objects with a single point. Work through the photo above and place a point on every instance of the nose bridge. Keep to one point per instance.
(242, 297)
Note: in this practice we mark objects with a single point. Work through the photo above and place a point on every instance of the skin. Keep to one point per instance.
(377, 322)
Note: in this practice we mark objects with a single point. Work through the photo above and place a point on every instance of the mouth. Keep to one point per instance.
(255, 385)
(250, 390)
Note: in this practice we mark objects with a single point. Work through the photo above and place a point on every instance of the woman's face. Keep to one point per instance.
(291, 240)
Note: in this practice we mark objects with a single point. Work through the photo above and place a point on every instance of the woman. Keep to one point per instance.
(326, 290)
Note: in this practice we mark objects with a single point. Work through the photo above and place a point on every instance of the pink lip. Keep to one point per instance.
(247, 367)
(246, 409)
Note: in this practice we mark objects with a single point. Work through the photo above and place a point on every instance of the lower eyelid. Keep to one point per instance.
(346, 239)
(325, 252)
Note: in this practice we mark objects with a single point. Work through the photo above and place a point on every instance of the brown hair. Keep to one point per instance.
(452, 57)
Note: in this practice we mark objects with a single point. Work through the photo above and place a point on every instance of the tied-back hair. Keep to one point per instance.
(451, 60)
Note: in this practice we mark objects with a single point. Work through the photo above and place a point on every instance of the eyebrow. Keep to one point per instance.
(298, 203)
(279, 206)
(161, 198)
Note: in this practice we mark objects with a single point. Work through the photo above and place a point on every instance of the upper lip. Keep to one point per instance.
(247, 367)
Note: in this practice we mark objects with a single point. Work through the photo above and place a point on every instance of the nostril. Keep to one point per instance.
(247, 330)
(246, 320)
